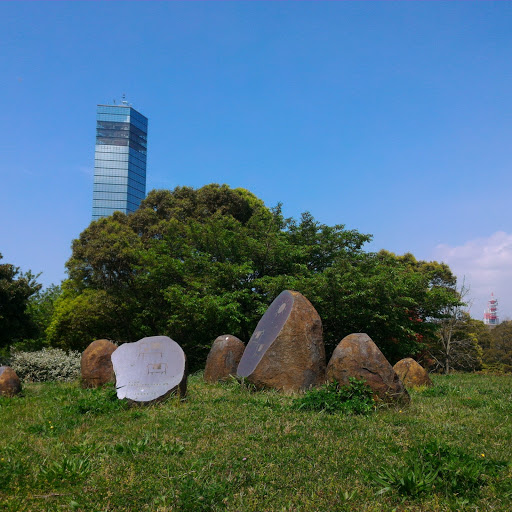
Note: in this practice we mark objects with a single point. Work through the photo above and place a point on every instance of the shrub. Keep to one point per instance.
(354, 398)
(498, 368)
(47, 364)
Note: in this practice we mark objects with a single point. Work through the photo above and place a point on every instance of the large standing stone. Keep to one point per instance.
(286, 351)
(10, 383)
(357, 356)
(150, 369)
(223, 358)
(96, 364)
(411, 373)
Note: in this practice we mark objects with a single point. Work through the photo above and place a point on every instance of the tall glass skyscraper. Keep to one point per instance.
(120, 160)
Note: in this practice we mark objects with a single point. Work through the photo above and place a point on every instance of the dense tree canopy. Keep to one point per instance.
(194, 264)
(16, 288)
(498, 347)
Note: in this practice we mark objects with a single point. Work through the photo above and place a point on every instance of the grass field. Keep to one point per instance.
(228, 448)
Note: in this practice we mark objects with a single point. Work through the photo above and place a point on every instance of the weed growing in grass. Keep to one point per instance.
(132, 447)
(459, 472)
(243, 383)
(437, 468)
(355, 398)
(411, 480)
(174, 448)
(101, 400)
(9, 468)
(197, 495)
(137, 446)
(53, 428)
(69, 469)
(87, 448)
(197, 492)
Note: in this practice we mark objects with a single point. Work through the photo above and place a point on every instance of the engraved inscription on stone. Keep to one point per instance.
(265, 333)
(148, 369)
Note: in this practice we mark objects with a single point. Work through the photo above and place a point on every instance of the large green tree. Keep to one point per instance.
(16, 288)
(197, 263)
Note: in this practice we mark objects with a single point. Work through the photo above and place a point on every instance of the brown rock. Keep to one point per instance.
(411, 373)
(357, 356)
(286, 351)
(223, 358)
(96, 364)
(10, 384)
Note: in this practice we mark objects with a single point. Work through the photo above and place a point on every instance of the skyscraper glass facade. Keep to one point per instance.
(120, 160)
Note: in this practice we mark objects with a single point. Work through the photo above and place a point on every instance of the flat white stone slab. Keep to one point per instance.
(149, 368)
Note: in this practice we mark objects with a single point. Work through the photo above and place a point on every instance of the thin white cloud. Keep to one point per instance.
(486, 265)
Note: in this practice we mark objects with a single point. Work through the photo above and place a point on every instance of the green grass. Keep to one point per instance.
(229, 448)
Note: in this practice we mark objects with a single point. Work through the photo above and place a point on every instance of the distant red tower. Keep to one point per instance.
(491, 313)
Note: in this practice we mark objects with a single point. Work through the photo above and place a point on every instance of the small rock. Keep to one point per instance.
(357, 356)
(10, 383)
(411, 373)
(96, 364)
(223, 359)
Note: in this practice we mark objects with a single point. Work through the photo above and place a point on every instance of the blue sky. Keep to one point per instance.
(391, 118)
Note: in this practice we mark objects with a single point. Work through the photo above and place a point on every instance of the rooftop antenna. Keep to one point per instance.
(124, 99)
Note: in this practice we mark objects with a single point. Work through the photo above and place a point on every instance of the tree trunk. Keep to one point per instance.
(447, 366)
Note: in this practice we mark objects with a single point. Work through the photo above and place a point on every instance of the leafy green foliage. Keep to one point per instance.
(16, 288)
(499, 350)
(355, 398)
(194, 263)
(47, 364)
(79, 319)
(41, 307)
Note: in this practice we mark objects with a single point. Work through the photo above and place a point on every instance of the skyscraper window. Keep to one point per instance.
(120, 160)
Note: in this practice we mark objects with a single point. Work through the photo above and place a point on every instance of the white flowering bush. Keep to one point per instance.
(46, 365)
